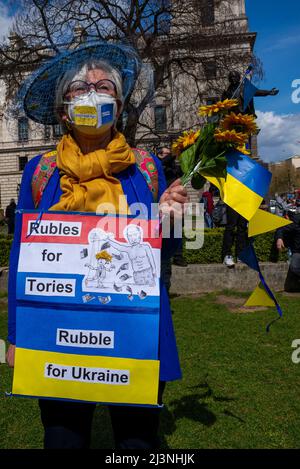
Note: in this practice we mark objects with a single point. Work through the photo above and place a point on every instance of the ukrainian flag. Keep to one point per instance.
(245, 186)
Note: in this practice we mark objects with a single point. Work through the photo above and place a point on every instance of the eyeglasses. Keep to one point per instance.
(78, 88)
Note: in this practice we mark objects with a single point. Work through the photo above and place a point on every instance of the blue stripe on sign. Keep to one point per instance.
(248, 172)
(135, 336)
(103, 300)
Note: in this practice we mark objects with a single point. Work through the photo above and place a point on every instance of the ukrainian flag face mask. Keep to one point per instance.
(93, 113)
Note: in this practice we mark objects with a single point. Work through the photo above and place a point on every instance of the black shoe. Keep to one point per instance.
(181, 262)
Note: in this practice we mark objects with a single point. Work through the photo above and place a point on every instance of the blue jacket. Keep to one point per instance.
(136, 189)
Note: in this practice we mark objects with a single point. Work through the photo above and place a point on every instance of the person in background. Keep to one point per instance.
(208, 200)
(235, 231)
(289, 237)
(10, 216)
(280, 205)
(171, 170)
(264, 206)
(219, 215)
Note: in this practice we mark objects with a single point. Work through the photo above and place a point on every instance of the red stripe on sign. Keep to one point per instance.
(75, 229)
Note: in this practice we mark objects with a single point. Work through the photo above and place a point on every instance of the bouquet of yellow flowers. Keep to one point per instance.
(203, 152)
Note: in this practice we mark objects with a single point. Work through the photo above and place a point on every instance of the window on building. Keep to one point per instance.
(23, 160)
(160, 118)
(207, 12)
(23, 129)
(57, 130)
(47, 132)
(210, 69)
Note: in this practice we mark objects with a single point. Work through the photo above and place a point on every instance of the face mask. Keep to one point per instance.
(93, 113)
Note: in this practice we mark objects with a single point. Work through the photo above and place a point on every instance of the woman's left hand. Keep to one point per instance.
(173, 199)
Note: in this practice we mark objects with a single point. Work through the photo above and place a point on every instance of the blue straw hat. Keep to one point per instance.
(36, 96)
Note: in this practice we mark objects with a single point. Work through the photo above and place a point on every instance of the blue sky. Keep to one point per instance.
(278, 46)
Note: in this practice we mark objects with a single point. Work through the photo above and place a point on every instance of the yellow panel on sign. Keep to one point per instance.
(86, 378)
(85, 115)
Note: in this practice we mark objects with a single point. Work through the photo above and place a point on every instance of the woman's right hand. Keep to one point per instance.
(10, 356)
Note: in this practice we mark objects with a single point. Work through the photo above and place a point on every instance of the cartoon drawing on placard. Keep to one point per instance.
(140, 256)
(104, 299)
(87, 298)
(120, 267)
(103, 265)
(100, 261)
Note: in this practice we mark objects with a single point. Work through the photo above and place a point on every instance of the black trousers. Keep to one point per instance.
(68, 425)
(235, 229)
(166, 272)
(178, 255)
(292, 282)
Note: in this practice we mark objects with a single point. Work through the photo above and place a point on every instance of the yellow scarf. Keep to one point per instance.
(87, 180)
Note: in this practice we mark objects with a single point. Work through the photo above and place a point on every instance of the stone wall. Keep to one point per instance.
(200, 278)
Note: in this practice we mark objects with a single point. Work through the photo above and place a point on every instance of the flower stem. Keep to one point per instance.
(187, 177)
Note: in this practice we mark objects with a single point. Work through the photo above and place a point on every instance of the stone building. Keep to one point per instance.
(224, 43)
(285, 175)
(217, 40)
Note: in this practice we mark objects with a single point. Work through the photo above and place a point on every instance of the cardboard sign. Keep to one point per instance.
(88, 302)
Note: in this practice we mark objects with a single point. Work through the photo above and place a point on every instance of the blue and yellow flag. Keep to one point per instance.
(248, 93)
(245, 186)
(260, 298)
(262, 295)
(263, 222)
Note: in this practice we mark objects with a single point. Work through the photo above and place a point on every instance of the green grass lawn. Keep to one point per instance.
(240, 388)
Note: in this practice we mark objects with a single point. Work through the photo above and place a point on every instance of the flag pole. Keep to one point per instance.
(249, 70)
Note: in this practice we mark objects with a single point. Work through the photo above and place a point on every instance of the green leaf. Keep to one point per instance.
(216, 167)
(198, 181)
(216, 171)
(187, 160)
(209, 163)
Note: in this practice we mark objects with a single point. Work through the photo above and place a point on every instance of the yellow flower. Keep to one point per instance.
(220, 106)
(240, 123)
(230, 136)
(188, 138)
(104, 255)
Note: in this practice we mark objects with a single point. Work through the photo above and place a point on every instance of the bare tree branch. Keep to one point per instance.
(171, 36)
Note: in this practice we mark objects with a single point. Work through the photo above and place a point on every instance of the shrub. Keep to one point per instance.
(5, 245)
(211, 252)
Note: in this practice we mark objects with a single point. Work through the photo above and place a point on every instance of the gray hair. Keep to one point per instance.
(80, 73)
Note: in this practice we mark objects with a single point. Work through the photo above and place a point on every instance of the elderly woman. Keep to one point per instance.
(93, 165)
